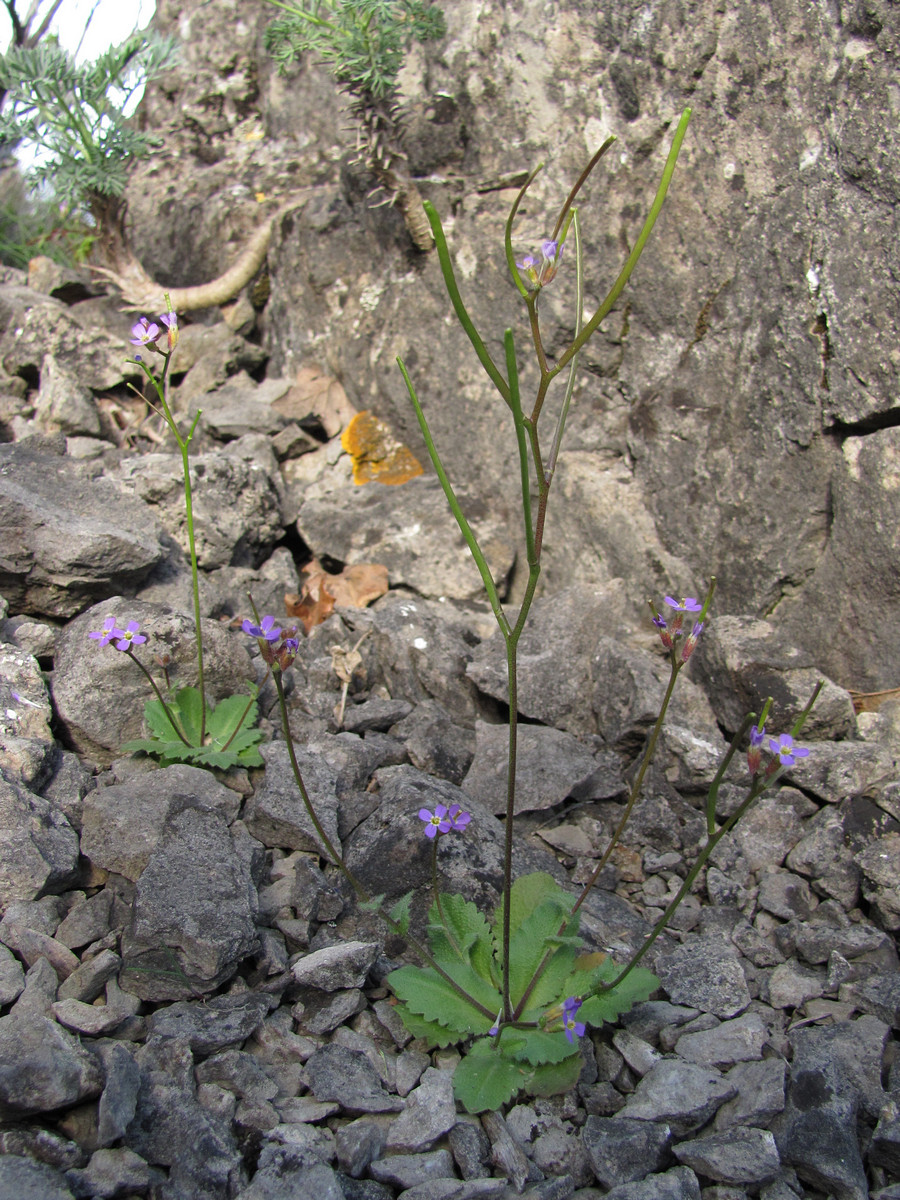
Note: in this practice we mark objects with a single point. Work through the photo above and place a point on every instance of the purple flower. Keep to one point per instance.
(144, 332)
(107, 633)
(572, 1027)
(690, 644)
(457, 817)
(787, 752)
(170, 320)
(687, 604)
(495, 1028)
(540, 270)
(263, 630)
(754, 754)
(129, 636)
(436, 822)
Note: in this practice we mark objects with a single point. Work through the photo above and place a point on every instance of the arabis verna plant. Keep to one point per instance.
(185, 726)
(523, 990)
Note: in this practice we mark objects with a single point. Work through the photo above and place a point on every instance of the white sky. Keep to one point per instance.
(107, 21)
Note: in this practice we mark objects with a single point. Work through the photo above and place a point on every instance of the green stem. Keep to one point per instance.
(521, 440)
(633, 258)
(175, 725)
(466, 530)
(458, 307)
(573, 365)
(161, 386)
(338, 860)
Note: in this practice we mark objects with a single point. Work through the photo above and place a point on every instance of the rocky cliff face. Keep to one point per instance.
(738, 415)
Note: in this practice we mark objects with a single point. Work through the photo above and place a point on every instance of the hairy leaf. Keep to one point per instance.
(466, 937)
(607, 1006)
(426, 993)
(485, 1079)
(554, 1079)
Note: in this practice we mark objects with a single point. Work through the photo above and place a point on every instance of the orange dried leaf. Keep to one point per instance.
(355, 586)
(376, 453)
(311, 608)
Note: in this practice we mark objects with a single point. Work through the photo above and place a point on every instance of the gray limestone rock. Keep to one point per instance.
(739, 1040)
(114, 1172)
(171, 1129)
(682, 1095)
(344, 965)
(64, 404)
(358, 1144)
(38, 847)
(563, 629)
(760, 1093)
(622, 1149)
(741, 660)
(236, 505)
(705, 974)
(736, 1156)
(835, 1074)
(409, 1170)
(430, 1113)
(193, 916)
(24, 1179)
(36, 326)
(276, 815)
(678, 1184)
(434, 743)
(337, 1073)
(12, 977)
(118, 1100)
(43, 1068)
(68, 538)
(408, 528)
(549, 765)
(420, 651)
(284, 1173)
(123, 824)
(28, 753)
(219, 1022)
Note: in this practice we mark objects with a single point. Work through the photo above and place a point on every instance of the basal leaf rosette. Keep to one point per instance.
(460, 998)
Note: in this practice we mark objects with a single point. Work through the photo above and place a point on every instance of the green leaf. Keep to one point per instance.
(426, 993)
(400, 912)
(529, 891)
(228, 724)
(465, 938)
(536, 1046)
(532, 939)
(429, 1031)
(371, 905)
(554, 1079)
(486, 1079)
(608, 1006)
(188, 705)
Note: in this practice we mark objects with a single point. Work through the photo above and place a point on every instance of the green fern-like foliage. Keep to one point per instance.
(75, 113)
(363, 41)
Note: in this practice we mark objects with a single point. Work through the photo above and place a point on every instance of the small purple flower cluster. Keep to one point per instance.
(147, 333)
(278, 647)
(669, 631)
(572, 1027)
(783, 750)
(127, 637)
(540, 270)
(443, 819)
